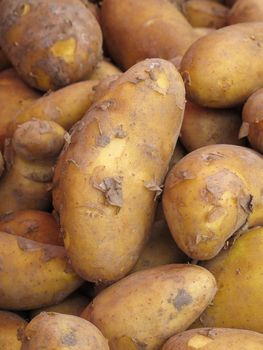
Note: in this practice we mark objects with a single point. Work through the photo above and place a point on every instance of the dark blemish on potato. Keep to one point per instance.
(6, 217)
(119, 132)
(102, 140)
(153, 186)
(210, 157)
(182, 299)
(112, 189)
(69, 339)
(186, 78)
(105, 105)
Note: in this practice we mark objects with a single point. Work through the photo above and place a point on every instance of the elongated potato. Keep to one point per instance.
(107, 178)
(215, 68)
(51, 43)
(211, 194)
(33, 274)
(10, 325)
(62, 332)
(146, 308)
(215, 339)
(135, 30)
(246, 11)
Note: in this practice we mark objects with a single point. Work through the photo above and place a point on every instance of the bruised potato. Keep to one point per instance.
(246, 11)
(10, 326)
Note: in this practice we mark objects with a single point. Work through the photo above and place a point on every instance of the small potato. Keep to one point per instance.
(209, 126)
(104, 69)
(215, 339)
(143, 310)
(4, 63)
(10, 326)
(62, 332)
(51, 43)
(200, 31)
(33, 274)
(205, 13)
(246, 11)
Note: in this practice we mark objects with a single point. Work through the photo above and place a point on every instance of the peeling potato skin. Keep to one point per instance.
(61, 332)
(208, 126)
(218, 180)
(51, 43)
(155, 28)
(4, 63)
(211, 83)
(246, 11)
(119, 162)
(10, 325)
(45, 276)
(143, 310)
(215, 339)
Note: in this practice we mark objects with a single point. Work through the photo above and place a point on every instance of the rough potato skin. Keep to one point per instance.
(62, 332)
(146, 308)
(215, 339)
(10, 325)
(215, 68)
(51, 43)
(246, 11)
(134, 30)
(107, 178)
(210, 195)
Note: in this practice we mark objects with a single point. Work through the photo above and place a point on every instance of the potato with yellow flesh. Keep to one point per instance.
(36, 225)
(4, 63)
(215, 68)
(51, 43)
(135, 30)
(107, 178)
(104, 69)
(215, 339)
(33, 274)
(208, 126)
(62, 332)
(10, 327)
(246, 11)
(211, 194)
(205, 13)
(145, 309)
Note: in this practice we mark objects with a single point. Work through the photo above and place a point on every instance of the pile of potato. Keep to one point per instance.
(131, 202)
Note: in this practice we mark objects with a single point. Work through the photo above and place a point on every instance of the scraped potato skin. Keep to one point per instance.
(118, 161)
(36, 225)
(62, 332)
(246, 11)
(10, 325)
(33, 274)
(210, 195)
(146, 308)
(134, 30)
(4, 63)
(51, 43)
(215, 67)
(208, 126)
(215, 339)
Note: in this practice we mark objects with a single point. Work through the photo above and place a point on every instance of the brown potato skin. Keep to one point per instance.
(215, 339)
(4, 63)
(153, 298)
(98, 230)
(246, 11)
(62, 332)
(210, 83)
(10, 325)
(36, 225)
(218, 180)
(155, 28)
(209, 126)
(58, 42)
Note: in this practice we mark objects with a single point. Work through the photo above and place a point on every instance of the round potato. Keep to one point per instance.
(246, 11)
(10, 326)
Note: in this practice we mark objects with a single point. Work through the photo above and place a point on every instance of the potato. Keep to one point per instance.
(215, 68)
(205, 13)
(211, 194)
(51, 43)
(10, 325)
(107, 178)
(33, 274)
(1, 164)
(36, 225)
(215, 339)
(104, 69)
(202, 31)
(209, 126)
(4, 63)
(62, 332)
(246, 11)
(146, 308)
(102, 88)
(179, 153)
(135, 30)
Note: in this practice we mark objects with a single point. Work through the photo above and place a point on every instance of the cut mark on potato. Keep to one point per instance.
(199, 341)
(182, 299)
(112, 189)
(65, 49)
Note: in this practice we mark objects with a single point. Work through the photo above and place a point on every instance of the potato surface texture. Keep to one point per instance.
(107, 179)
(4, 63)
(10, 325)
(215, 68)
(50, 43)
(146, 308)
(210, 195)
(246, 11)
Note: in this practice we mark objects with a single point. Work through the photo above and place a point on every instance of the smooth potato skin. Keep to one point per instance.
(147, 307)
(246, 11)
(10, 326)
(104, 69)
(117, 140)
(218, 180)
(41, 272)
(62, 332)
(211, 83)
(215, 339)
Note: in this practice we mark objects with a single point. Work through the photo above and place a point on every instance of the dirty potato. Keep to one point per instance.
(11, 325)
